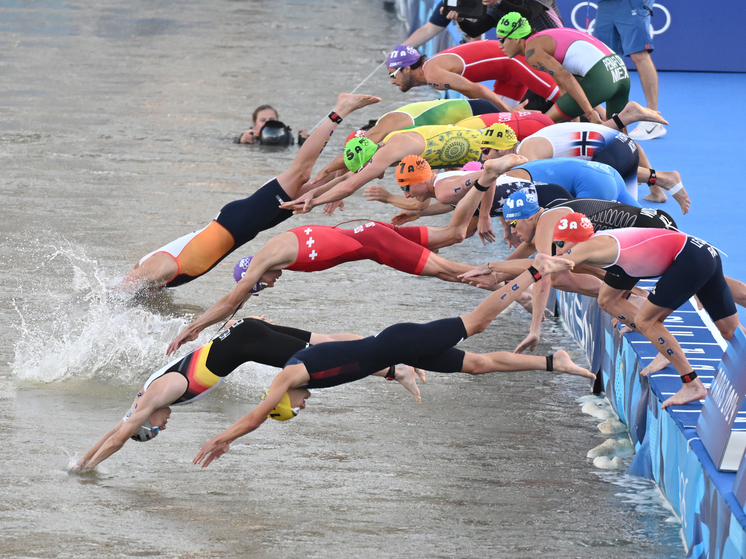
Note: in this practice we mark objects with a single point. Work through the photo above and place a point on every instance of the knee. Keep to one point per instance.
(605, 301)
(560, 281)
(640, 57)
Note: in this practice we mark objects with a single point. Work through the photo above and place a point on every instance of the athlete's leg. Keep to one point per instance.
(155, 270)
(572, 282)
(634, 112)
(300, 171)
(738, 289)
(648, 78)
(665, 181)
(503, 361)
(407, 377)
(460, 226)
(477, 320)
(649, 323)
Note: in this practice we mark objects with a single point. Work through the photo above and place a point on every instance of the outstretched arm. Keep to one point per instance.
(278, 253)
(290, 377)
(377, 193)
(161, 393)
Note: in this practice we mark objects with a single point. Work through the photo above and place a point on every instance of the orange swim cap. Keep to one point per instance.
(413, 169)
(574, 227)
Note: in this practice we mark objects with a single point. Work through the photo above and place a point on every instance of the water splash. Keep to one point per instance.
(75, 326)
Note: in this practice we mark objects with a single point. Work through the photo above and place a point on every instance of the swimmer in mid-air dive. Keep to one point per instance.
(426, 346)
(195, 375)
(192, 255)
(319, 247)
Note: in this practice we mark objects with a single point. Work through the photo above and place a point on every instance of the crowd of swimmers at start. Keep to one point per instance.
(562, 183)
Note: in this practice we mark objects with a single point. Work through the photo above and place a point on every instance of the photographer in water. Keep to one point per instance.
(268, 130)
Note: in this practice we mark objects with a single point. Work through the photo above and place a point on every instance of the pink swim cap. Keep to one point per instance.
(472, 166)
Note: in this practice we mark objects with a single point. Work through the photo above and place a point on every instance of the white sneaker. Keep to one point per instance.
(648, 131)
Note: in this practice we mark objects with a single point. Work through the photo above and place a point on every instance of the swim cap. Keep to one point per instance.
(239, 271)
(356, 134)
(413, 169)
(472, 166)
(520, 205)
(402, 56)
(574, 227)
(145, 433)
(514, 26)
(498, 136)
(358, 152)
(275, 133)
(282, 411)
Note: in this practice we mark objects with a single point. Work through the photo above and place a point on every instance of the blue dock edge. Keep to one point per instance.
(668, 448)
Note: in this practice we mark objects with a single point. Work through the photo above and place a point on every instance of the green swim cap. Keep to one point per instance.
(514, 26)
(358, 152)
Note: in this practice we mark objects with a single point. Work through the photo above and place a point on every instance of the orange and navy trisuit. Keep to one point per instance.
(237, 223)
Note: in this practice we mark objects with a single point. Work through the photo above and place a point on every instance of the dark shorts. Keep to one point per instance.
(482, 107)
(622, 154)
(698, 271)
(245, 219)
(428, 346)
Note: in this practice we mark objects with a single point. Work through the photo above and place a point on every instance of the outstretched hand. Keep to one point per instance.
(486, 234)
(530, 342)
(186, 335)
(210, 451)
(404, 216)
(520, 107)
(331, 206)
(377, 193)
(300, 205)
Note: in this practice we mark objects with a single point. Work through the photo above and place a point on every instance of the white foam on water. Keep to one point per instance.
(593, 409)
(606, 463)
(76, 327)
(613, 448)
(612, 426)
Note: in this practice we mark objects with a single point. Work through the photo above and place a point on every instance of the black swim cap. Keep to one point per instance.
(275, 133)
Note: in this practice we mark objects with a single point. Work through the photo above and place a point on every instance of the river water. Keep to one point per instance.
(116, 129)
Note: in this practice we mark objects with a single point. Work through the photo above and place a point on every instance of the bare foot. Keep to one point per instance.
(406, 375)
(493, 168)
(634, 112)
(564, 364)
(689, 392)
(656, 195)
(658, 363)
(671, 181)
(550, 264)
(624, 329)
(346, 103)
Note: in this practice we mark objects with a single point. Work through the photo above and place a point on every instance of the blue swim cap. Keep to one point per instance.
(520, 205)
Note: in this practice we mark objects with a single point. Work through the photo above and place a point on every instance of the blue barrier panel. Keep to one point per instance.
(669, 451)
(715, 425)
(680, 28)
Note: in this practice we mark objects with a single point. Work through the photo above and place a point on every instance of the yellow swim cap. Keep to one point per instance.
(282, 411)
(498, 136)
